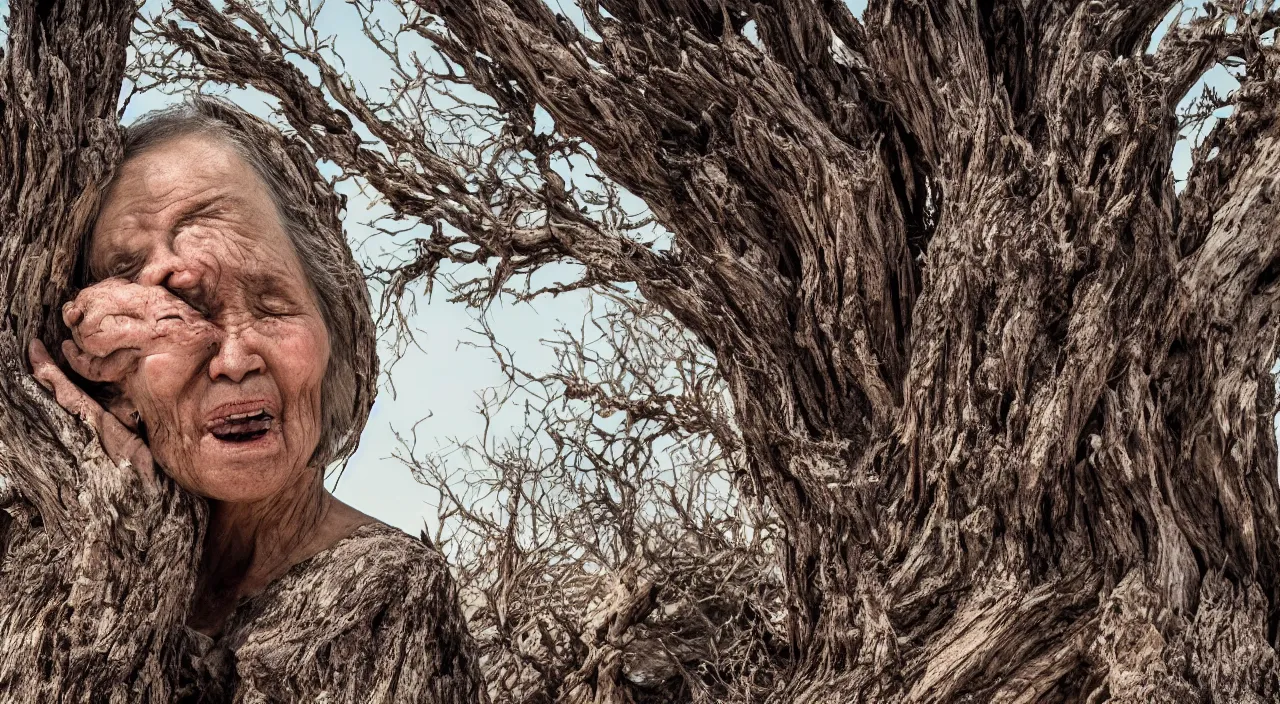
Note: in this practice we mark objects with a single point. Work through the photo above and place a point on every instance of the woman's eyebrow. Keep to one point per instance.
(265, 283)
(204, 208)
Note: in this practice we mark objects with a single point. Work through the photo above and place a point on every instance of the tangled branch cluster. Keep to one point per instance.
(604, 540)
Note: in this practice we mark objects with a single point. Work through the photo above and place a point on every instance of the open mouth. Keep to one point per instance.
(242, 427)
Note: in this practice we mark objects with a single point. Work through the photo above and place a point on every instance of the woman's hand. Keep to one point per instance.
(115, 323)
(119, 441)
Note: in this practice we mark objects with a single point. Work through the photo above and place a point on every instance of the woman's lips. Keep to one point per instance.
(241, 421)
(243, 446)
(249, 428)
(239, 408)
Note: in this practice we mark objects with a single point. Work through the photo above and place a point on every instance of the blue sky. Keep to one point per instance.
(438, 382)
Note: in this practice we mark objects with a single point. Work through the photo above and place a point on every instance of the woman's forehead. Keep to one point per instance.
(177, 167)
(176, 184)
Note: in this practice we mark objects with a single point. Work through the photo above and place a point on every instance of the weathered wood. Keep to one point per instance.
(1009, 393)
(97, 567)
(97, 561)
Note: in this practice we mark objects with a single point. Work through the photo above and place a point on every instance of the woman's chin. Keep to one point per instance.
(239, 470)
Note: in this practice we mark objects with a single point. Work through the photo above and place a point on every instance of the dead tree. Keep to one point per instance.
(96, 566)
(1006, 389)
(601, 547)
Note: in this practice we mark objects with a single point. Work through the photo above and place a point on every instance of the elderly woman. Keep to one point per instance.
(226, 330)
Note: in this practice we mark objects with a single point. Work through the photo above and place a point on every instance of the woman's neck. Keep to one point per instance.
(249, 545)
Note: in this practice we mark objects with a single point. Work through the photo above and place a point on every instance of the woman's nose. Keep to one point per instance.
(182, 279)
(235, 357)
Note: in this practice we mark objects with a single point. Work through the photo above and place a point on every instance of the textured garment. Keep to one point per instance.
(373, 618)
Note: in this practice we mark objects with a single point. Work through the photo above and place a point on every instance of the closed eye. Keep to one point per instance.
(123, 265)
(192, 297)
(276, 307)
(271, 295)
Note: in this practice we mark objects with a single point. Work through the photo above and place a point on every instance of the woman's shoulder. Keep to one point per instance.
(374, 549)
(373, 566)
(352, 616)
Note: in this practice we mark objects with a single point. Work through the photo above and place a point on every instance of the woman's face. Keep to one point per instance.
(234, 415)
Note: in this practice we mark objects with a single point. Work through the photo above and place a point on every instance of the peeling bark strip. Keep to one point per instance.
(1007, 390)
(95, 570)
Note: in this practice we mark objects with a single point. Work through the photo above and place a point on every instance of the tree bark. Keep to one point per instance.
(96, 569)
(1008, 391)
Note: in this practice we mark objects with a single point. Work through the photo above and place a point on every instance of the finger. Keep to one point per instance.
(72, 313)
(119, 296)
(112, 368)
(40, 361)
(125, 315)
(174, 334)
(67, 394)
(123, 444)
(38, 355)
(174, 309)
(43, 367)
(110, 297)
(134, 299)
(116, 332)
(119, 442)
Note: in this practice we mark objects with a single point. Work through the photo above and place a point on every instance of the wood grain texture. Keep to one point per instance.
(374, 618)
(97, 568)
(1008, 390)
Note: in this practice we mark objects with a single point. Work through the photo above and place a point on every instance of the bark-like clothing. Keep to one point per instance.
(373, 618)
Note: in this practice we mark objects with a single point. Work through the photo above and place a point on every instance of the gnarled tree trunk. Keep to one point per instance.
(1008, 391)
(95, 571)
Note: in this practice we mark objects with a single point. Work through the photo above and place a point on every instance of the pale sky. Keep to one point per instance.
(441, 382)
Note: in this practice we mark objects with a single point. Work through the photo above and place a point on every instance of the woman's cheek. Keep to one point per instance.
(158, 385)
(301, 352)
(300, 345)
(157, 390)
(174, 452)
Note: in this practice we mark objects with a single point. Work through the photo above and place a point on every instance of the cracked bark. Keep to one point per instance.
(1008, 391)
(97, 567)
(96, 570)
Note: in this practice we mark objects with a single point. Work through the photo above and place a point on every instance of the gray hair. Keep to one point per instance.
(310, 213)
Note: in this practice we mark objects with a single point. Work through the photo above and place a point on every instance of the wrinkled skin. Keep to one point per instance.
(115, 322)
(181, 218)
(203, 311)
